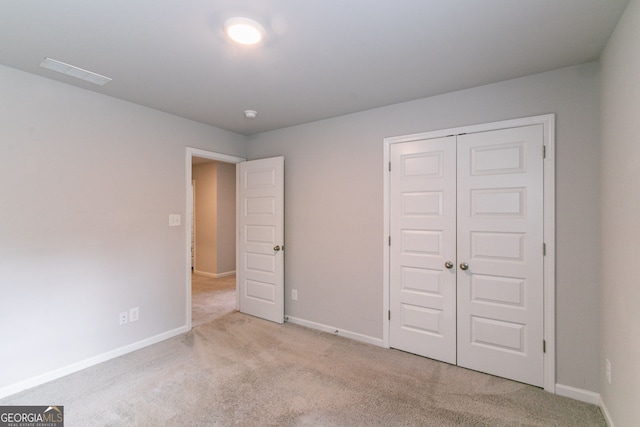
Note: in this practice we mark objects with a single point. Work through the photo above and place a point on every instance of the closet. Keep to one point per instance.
(466, 250)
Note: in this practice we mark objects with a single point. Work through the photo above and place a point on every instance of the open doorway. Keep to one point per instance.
(211, 236)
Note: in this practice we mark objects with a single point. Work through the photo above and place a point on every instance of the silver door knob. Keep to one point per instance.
(464, 266)
(448, 264)
(276, 248)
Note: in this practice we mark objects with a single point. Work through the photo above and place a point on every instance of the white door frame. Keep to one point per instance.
(548, 122)
(191, 153)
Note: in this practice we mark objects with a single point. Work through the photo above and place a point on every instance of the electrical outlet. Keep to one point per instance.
(123, 317)
(174, 220)
(134, 314)
(294, 294)
(608, 370)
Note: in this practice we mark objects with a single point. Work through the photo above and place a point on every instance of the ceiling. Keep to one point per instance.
(321, 58)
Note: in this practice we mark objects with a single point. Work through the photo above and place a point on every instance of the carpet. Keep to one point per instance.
(238, 370)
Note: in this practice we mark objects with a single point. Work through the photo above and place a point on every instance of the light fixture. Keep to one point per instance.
(73, 71)
(250, 114)
(244, 30)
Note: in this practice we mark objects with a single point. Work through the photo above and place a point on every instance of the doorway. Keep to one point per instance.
(435, 282)
(209, 290)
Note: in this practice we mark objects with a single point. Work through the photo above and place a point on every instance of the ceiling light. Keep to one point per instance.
(73, 71)
(250, 114)
(244, 30)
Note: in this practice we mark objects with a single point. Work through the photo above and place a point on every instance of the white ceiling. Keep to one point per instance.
(321, 58)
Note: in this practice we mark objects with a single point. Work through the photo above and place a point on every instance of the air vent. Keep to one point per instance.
(73, 71)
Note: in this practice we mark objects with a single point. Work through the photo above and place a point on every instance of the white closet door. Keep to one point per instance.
(261, 240)
(423, 223)
(500, 238)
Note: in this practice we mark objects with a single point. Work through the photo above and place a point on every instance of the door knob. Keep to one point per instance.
(276, 248)
(464, 266)
(448, 264)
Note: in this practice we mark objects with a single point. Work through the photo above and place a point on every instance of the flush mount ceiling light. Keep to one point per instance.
(244, 30)
(250, 114)
(73, 71)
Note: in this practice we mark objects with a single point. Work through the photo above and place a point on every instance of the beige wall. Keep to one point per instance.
(206, 224)
(620, 171)
(215, 200)
(226, 218)
(334, 204)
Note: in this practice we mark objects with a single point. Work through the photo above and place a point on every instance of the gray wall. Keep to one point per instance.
(620, 153)
(334, 204)
(86, 186)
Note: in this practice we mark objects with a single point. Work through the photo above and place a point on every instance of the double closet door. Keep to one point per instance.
(466, 255)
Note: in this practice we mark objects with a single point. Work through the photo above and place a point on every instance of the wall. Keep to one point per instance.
(226, 218)
(86, 186)
(620, 295)
(206, 198)
(334, 197)
(215, 196)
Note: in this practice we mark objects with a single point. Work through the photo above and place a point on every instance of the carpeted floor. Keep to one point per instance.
(211, 298)
(237, 370)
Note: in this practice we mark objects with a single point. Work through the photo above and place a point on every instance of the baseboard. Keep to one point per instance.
(605, 413)
(333, 330)
(578, 394)
(214, 275)
(78, 366)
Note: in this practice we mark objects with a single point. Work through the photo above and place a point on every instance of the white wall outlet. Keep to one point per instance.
(174, 220)
(608, 370)
(294, 294)
(123, 317)
(134, 314)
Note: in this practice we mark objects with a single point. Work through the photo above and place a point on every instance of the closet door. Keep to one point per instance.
(422, 253)
(500, 253)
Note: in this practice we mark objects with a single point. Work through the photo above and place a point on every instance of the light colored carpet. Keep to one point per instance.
(238, 370)
(211, 298)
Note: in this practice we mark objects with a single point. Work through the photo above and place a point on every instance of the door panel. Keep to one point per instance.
(422, 299)
(500, 230)
(261, 228)
(474, 199)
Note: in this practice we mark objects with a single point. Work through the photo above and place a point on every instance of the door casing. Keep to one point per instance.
(548, 122)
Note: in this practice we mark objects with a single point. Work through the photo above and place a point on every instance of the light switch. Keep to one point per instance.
(174, 220)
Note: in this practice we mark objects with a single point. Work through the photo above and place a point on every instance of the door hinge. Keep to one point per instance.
(544, 346)
(544, 249)
(389, 240)
(389, 314)
(389, 166)
(544, 151)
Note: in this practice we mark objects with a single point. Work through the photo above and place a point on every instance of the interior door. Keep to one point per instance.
(261, 238)
(423, 253)
(466, 254)
(500, 253)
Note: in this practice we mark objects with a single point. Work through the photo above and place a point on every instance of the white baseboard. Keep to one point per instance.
(578, 394)
(605, 412)
(83, 364)
(587, 397)
(333, 330)
(214, 275)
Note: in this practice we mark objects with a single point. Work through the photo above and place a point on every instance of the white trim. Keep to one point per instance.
(190, 153)
(335, 331)
(548, 122)
(578, 394)
(92, 361)
(605, 412)
(214, 275)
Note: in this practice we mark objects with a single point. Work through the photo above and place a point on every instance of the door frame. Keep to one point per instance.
(190, 153)
(548, 122)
